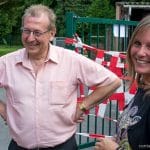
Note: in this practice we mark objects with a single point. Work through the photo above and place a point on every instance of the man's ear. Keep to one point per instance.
(52, 34)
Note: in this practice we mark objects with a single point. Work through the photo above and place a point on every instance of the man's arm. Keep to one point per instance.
(3, 110)
(100, 94)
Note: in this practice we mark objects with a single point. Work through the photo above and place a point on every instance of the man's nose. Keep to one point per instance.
(31, 36)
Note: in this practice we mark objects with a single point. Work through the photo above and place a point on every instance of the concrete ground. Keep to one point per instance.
(4, 134)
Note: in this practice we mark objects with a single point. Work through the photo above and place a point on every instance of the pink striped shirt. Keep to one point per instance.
(41, 108)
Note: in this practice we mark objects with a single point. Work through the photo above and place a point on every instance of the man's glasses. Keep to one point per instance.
(35, 33)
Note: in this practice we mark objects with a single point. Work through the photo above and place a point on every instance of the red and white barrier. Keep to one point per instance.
(116, 64)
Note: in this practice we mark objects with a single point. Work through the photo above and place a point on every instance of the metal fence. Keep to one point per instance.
(108, 34)
(106, 40)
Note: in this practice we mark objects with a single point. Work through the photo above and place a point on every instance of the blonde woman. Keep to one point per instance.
(134, 123)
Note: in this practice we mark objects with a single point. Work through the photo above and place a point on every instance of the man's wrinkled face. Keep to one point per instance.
(36, 35)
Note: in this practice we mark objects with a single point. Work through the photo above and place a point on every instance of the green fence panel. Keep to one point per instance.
(105, 34)
(108, 34)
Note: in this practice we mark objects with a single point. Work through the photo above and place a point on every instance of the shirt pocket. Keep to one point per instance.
(58, 93)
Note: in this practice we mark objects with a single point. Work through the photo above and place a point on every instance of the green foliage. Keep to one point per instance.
(101, 9)
(12, 10)
(138, 1)
(7, 49)
(79, 7)
(10, 17)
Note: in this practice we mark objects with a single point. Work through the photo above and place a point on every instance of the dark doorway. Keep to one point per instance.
(138, 13)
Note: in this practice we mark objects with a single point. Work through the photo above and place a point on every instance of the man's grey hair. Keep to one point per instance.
(37, 10)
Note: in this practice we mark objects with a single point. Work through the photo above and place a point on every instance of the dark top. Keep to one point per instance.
(134, 123)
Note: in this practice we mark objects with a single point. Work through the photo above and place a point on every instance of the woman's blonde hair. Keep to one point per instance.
(144, 24)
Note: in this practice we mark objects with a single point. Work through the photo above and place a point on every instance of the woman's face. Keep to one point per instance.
(140, 52)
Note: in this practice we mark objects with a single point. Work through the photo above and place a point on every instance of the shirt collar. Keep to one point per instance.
(52, 55)
(21, 56)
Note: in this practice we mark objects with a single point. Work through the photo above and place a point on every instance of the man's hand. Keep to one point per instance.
(3, 110)
(80, 115)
